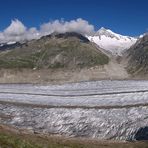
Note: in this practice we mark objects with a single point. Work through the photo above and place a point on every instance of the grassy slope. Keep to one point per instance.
(12, 140)
(53, 53)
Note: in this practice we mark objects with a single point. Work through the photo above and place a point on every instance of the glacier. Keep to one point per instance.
(104, 110)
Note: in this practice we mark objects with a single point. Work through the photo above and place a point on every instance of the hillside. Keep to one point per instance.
(137, 57)
(56, 58)
(68, 50)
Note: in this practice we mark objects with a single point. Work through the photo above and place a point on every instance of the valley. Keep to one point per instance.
(74, 74)
(66, 85)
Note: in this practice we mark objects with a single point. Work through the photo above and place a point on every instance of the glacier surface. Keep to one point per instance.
(115, 110)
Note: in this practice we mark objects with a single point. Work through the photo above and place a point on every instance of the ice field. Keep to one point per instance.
(101, 109)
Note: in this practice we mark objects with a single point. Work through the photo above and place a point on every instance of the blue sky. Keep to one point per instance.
(127, 17)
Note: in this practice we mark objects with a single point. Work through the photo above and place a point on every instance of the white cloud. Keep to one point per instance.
(1, 36)
(17, 31)
(32, 33)
(79, 26)
(16, 28)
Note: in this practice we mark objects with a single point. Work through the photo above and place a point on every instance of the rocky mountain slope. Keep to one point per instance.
(67, 57)
(138, 57)
(67, 50)
(112, 42)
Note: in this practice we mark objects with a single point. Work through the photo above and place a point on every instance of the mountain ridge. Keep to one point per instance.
(64, 50)
(116, 42)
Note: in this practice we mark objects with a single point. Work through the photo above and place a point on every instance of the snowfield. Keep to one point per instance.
(102, 109)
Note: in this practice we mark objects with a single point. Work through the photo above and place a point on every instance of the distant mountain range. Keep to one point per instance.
(72, 50)
(106, 39)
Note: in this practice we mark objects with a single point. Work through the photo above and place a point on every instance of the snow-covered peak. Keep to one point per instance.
(108, 33)
(112, 42)
(105, 32)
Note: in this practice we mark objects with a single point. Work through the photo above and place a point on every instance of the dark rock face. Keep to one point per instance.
(142, 134)
(11, 46)
(72, 34)
(66, 36)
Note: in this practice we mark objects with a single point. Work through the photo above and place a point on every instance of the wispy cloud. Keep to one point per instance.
(17, 31)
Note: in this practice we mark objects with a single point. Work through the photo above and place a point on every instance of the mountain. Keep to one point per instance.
(112, 42)
(66, 50)
(137, 57)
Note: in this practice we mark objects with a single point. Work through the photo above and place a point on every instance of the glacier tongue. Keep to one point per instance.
(115, 43)
(123, 115)
(102, 124)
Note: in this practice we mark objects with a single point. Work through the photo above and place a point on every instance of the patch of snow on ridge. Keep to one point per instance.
(10, 43)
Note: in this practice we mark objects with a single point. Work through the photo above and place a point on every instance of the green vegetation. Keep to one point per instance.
(16, 63)
(9, 140)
